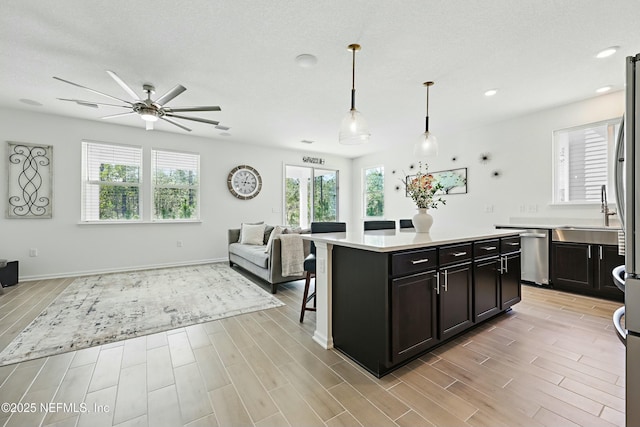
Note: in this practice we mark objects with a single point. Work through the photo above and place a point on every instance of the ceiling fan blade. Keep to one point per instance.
(93, 90)
(113, 116)
(148, 125)
(170, 95)
(184, 109)
(123, 85)
(92, 104)
(173, 122)
(195, 119)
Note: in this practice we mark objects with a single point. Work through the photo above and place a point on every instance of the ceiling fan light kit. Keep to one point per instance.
(427, 144)
(149, 110)
(354, 129)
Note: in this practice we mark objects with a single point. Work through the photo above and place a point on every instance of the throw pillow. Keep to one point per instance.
(249, 223)
(252, 234)
(277, 230)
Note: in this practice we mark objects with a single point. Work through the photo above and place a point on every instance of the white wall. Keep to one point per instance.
(519, 148)
(66, 247)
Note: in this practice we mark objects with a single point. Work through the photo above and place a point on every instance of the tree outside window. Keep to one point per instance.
(374, 191)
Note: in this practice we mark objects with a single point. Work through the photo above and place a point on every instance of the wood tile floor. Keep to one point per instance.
(552, 361)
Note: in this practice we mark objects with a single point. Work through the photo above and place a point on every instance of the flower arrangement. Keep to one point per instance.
(422, 188)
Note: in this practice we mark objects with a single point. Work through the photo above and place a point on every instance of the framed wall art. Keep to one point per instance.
(30, 183)
(454, 181)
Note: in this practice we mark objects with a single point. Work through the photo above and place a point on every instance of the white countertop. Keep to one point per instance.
(396, 240)
(559, 226)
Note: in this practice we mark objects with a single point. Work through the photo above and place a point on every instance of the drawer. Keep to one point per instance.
(509, 244)
(405, 263)
(455, 254)
(486, 248)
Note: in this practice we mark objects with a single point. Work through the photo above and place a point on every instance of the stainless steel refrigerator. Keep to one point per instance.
(628, 199)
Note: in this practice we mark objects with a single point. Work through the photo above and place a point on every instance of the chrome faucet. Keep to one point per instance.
(604, 207)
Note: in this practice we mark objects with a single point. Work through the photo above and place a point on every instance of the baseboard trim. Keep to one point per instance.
(119, 270)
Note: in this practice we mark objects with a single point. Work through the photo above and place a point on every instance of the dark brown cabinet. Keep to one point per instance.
(454, 288)
(585, 268)
(413, 320)
(510, 280)
(390, 307)
(486, 279)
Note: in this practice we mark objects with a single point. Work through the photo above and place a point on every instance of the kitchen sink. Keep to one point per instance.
(590, 235)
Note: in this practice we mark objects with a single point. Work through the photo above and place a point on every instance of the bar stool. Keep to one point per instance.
(310, 262)
(406, 223)
(379, 225)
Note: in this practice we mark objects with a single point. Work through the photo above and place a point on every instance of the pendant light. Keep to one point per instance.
(354, 129)
(427, 145)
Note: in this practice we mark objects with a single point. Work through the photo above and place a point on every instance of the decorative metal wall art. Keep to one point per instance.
(30, 184)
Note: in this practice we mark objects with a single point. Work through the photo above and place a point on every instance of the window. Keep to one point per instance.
(175, 181)
(373, 185)
(310, 195)
(111, 182)
(582, 159)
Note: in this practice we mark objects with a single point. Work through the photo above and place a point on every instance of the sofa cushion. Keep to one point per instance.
(252, 253)
(252, 234)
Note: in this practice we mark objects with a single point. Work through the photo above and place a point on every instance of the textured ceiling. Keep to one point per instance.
(240, 55)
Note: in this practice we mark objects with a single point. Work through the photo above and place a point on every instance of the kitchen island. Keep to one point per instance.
(385, 297)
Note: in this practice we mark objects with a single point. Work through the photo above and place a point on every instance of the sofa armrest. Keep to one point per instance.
(233, 235)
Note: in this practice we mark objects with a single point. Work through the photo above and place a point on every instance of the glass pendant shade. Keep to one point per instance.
(354, 129)
(427, 145)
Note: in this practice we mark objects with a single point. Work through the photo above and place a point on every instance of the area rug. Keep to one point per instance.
(101, 309)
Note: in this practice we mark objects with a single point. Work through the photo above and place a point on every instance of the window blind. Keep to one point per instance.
(175, 181)
(111, 182)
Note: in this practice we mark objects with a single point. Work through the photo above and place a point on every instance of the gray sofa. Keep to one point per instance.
(254, 259)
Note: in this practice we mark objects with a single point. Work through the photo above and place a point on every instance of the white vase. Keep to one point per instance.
(422, 221)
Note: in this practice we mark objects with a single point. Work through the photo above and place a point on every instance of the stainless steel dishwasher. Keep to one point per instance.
(535, 256)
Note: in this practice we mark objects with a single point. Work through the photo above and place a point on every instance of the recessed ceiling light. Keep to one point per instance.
(31, 102)
(605, 53)
(603, 89)
(306, 60)
(491, 92)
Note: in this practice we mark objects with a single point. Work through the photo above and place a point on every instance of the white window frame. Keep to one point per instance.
(89, 184)
(154, 186)
(363, 177)
(559, 175)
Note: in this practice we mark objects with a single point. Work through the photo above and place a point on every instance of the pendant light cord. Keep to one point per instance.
(353, 80)
(426, 118)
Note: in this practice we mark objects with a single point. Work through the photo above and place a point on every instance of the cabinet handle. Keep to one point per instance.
(600, 247)
(459, 254)
(438, 283)
(506, 264)
(589, 249)
(513, 244)
(501, 265)
(446, 281)
(489, 248)
(419, 261)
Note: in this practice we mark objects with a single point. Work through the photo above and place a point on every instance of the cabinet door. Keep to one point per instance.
(608, 259)
(486, 295)
(413, 321)
(572, 265)
(456, 304)
(510, 281)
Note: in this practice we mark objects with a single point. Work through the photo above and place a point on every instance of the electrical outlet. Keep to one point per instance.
(523, 208)
(533, 208)
(179, 243)
(33, 252)
(488, 208)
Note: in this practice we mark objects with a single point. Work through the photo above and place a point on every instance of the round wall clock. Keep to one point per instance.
(244, 182)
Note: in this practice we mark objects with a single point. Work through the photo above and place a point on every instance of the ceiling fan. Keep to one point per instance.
(149, 110)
